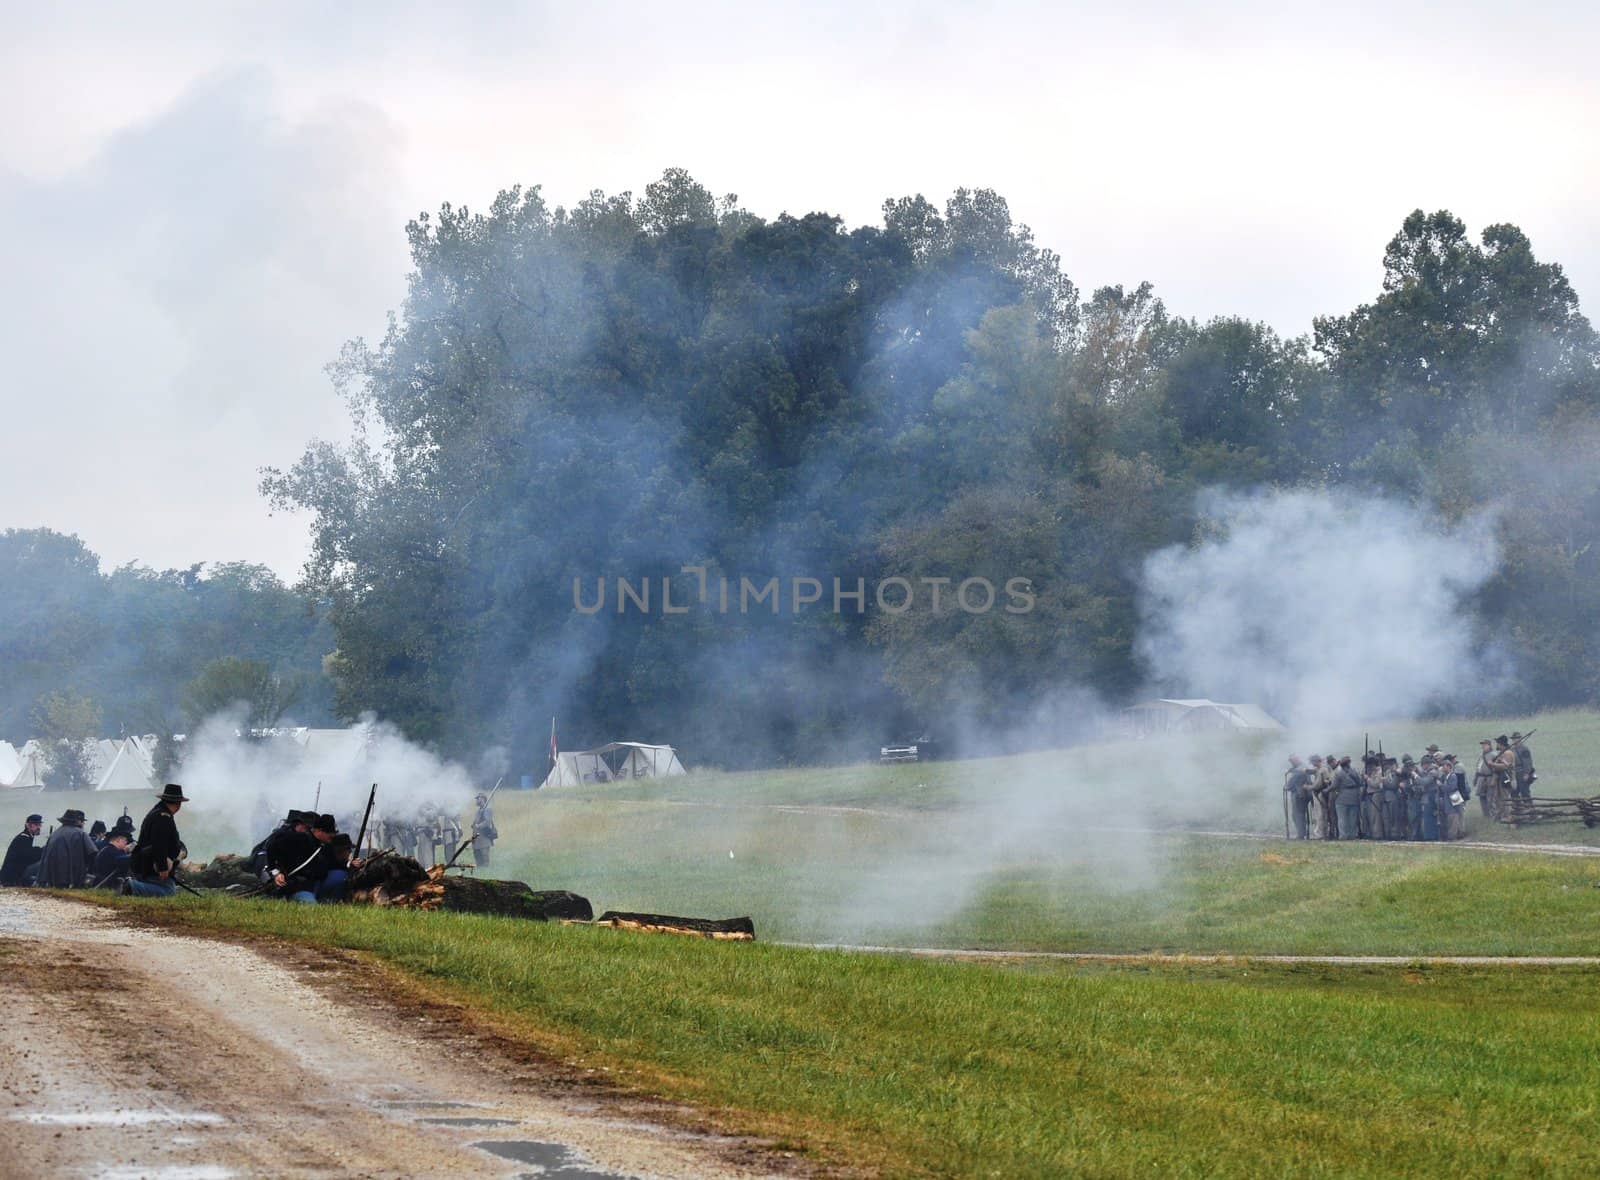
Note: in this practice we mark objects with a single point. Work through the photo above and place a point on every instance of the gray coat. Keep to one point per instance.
(67, 856)
(1348, 786)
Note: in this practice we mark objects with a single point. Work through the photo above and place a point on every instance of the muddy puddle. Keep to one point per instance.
(554, 1161)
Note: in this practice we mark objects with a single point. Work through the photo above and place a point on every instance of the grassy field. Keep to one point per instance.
(910, 1067)
(1050, 850)
(1042, 1068)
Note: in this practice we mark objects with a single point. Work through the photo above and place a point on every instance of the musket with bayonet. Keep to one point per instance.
(372, 797)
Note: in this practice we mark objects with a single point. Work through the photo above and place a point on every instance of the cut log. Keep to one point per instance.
(220, 872)
(401, 881)
(511, 899)
(721, 929)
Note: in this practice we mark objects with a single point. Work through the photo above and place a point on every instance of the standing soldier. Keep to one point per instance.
(1504, 764)
(484, 833)
(1394, 802)
(403, 836)
(1409, 773)
(449, 836)
(427, 829)
(1452, 800)
(1523, 770)
(1486, 780)
(1427, 790)
(1372, 797)
(1325, 794)
(1348, 787)
(1318, 818)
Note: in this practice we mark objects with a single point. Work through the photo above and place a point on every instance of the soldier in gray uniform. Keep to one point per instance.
(1524, 772)
(1347, 790)
(1453, 795)
(484, 833)
(1427, 793)
(427, 830)
(449, 836)
(1486, 780)
(1372, 826)
(1322, 771)
(1297, 785)
(1410, 772)
(1393, 802)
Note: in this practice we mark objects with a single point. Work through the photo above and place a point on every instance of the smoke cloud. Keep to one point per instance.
(1327, 608)
(244, 788)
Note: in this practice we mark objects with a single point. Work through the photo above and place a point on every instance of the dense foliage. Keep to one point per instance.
(89, 654)
(632, 386)
(637, 385)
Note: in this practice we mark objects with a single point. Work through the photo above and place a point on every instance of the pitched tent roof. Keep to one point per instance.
(129, 770)
(10, 764)
(613, 761)
(32, 772)
(641, 761)
(1172, 715)
(574, 768)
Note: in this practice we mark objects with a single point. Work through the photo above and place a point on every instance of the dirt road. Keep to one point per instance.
(134, 1052)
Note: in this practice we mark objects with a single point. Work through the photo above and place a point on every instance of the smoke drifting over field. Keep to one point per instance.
(1328, 608)
(251, 784)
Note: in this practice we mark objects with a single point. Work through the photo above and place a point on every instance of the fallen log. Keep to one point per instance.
(221, 872)
(400, 881)
(721, 929)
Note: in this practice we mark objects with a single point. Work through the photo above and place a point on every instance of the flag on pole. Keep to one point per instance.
(553, 749)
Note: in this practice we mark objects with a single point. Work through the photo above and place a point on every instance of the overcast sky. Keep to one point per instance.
(201, 202)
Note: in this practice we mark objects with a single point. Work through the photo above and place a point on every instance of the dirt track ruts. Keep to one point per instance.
(135, 1052)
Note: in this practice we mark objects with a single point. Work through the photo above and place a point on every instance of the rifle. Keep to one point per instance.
(316, 802)
(372, 797)
(451, 863)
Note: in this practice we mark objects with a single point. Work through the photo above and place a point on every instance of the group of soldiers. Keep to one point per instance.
(432, 835)
(306, 858)
(1403, 798)
(117, 858)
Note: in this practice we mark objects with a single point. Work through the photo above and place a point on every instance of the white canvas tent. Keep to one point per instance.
(612, 762)
(130, 770)
(636, 760)
(574, 768)
(1154, 718)
(34, 765)
(10, 764)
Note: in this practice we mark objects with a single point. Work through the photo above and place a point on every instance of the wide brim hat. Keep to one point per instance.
(71, 816)
(172, 793)
(1516, 736)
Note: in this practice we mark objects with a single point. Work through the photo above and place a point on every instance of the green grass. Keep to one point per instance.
(913, 1067)
(1032, 852)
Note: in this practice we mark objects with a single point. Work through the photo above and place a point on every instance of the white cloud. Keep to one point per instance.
(210, 199)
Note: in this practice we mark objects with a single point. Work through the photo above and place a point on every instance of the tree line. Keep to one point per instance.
(86, 653)
(639, 384)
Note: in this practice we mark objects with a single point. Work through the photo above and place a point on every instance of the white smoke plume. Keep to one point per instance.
(244, 787)
(1327, 608)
